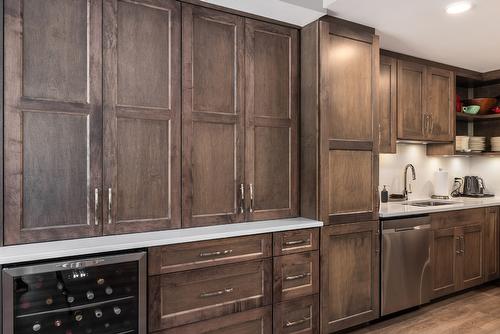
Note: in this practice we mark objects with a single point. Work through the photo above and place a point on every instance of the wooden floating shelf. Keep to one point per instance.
(477, 153)
(472, 118)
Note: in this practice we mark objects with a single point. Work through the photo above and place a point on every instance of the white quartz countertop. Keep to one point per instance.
(399, 209)
(87, 246)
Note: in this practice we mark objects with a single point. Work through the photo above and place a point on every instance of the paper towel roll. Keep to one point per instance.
(441, 185)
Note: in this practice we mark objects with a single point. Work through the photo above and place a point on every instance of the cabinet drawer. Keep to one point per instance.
(182, 298)
(258, 321)
(290, 242)
(458, 218)
(173, 258)
(297, 316)
(296, 275)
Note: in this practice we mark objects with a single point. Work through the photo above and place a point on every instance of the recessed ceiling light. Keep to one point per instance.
(458, 7)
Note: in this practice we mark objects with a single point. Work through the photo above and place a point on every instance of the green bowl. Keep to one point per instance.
(471, 110)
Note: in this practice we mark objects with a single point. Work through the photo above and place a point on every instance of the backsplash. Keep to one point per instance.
(489, 169)
(392, 169)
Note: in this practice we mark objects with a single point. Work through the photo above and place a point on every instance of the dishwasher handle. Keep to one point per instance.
(413, 228)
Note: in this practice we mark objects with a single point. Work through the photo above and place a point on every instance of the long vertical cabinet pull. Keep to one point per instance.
(110, 205)
(242, 198)
(251, 198)
(96, 206)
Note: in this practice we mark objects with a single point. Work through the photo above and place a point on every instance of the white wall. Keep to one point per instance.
(392, 168)
(489, 169)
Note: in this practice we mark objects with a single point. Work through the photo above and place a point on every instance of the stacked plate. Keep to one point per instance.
(495, 144)
(462, 143)
(477, 144)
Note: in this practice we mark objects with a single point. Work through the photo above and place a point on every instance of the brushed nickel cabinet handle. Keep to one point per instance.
(431, 120)
(242, 198)
(217, 253)
(216, 293)
(459, 250)
(297, 322)
(96, 206)
(462, 249)
(299, 276)
(251, 198)
(110, 205)
(297, 242)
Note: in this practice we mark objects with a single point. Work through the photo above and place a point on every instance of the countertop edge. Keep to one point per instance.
(429, 210)
(87, 246)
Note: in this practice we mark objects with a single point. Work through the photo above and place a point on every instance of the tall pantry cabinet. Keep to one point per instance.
(339, 164)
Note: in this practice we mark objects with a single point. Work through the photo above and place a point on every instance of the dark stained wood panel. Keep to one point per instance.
(492, 244)
(388, 105)
(271, 166)
(412, 101)
(212, 118)
(350, 74)
(142, 115)
(181, 298)
(350, 275)
(54, 36)
(472, 256)
(444, 252)
(291, 242)
(53, 120)
(441, 104)
(351, 187)
(258, 321)
(55, 189)
(299, 316)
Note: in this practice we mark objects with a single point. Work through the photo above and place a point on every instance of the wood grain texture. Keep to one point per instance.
(181, 298)
(295, 275)
(258, 321)
(443, 262)
(173, 258)
(53, 84)
(271, 111)
(412, 101)
(349, 275)
(299, 316)
(472, 265)
(291, 242)
(142, 114)
(441, 104)
(492, 244)
(388, 105)
(212, 121)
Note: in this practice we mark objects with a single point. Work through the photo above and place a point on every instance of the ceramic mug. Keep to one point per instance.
(472, 110)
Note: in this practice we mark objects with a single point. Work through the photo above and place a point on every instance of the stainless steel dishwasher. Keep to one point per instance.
(406, 268)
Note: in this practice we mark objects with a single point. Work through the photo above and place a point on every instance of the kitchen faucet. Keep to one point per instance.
(407, 189)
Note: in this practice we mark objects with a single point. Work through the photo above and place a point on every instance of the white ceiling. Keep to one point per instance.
(419, 28)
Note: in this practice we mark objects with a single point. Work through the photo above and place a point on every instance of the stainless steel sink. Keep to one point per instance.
(429, 203)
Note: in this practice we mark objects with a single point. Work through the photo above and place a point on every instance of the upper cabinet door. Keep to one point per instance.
(212, 117)
(142, 114)
(387, 105)
(441, 104)
(271, 163)
(413, 120)
(53, 119)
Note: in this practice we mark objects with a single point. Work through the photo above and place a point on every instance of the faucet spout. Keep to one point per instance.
(407, 186)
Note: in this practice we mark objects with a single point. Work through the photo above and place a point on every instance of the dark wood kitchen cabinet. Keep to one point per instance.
(271, 90)
(234, 168)
(142, 114)
(492, 244)
(425, 102)
(388, 104)
(53, 120)
(339, 121)
(458, 250)
(350, 275)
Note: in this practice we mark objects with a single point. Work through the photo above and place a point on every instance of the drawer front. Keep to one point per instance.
(291, 242)
(296, 275)
(258, 321)
(297, 316)
(182, 298)
(458, 218)
(173, 258)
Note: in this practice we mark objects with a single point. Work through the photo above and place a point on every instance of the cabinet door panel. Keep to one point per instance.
(441, 103)
(472, 256)
(299, 316)
(492, 244)
(412, 112)
(444, 255)
(387, 104)
(271, 166)
(141, 115)
(350, 71)
(351, 187)
(53, 120)
(212, 120)
(350, 275)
